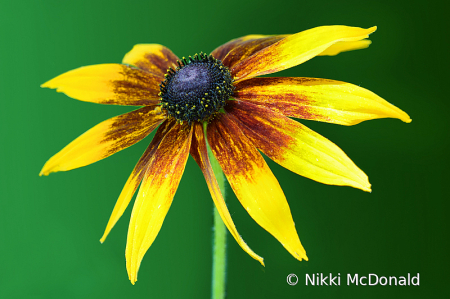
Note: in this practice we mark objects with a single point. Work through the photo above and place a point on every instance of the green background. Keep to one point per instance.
(50, 226)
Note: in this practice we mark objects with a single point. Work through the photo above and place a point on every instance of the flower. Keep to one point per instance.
(218, 99)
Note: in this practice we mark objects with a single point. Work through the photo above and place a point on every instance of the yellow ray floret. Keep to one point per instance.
(136, 177)
(249, 47)
(151, 57)
(296, 49)
(109, 84)
(156, 194)
(296, 147)
(222, 51)
(318, 99)
(105, 139)
(253, 183)
(239, 49)
(200, 154)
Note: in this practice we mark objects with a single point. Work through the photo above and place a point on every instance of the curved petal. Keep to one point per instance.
(340, 47)
(152, 58)
(200, 154)
(114, 84)
(155, 195)
(318, 99)
(136, 177)
(241, 48)
(296, 49)
(105, 139)
(253, 183)
(296, 147)
(222, 51)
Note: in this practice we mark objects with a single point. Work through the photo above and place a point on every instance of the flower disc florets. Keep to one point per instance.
(197, 89)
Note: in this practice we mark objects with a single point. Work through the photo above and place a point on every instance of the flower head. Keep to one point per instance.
(217, 100)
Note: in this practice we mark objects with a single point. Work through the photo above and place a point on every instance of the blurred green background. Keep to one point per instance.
(50, 226)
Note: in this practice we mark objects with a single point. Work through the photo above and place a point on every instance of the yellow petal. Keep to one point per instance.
(340, 47)
(109, 84)
(136, 177)
(253, 183)
(105, 139)
(318, 99)
(296, 147)
(222, 51)
(240, 49)
(152, 58)
(155, 195)
(200, 154)
(296, 49)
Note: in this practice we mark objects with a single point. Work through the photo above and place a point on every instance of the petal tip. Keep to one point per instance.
(362, 182)
(301, 256)
(44, 172)
(367, 187)
(132, 277)
(261, 261)
(105, 234)
(49, 84)
(372, 29)
(402, 115)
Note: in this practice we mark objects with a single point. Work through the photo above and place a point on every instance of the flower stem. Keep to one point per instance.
(220, 238)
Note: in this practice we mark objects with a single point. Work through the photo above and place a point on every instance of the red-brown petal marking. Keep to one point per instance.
(296, 147)
(115, 84)
(105, 139)
(152, 58)
(253, 183)
(296, 49)
(241, 48)
(200, 154)
(136, 176)
(222, 51)
(317, 99)
(155, 195)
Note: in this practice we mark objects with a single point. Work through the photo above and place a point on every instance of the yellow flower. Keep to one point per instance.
(218, 100)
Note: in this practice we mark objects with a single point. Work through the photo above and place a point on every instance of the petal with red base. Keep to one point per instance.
(296, 49)
(114, 84)
(105, 139)
(294, 146)
(155, 195)
(200, 154)
(241, 48)
(152, 58)
(136, 177)
(318, 99)
(222, 51)
(253, 183)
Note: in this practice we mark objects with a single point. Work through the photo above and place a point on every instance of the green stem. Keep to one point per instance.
(220, 237)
